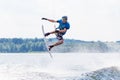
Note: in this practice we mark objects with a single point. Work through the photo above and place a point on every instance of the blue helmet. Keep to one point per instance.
(65, 17)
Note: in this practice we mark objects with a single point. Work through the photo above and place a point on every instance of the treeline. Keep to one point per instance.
(17, 45)
(20, 45)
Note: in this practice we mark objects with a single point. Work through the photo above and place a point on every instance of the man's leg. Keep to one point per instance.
(53, 32)
(60, 41)
(56, 44)
(59, 37)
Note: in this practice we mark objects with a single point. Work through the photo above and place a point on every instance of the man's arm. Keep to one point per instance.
(57, 31)
(62, 31)
(50, 20)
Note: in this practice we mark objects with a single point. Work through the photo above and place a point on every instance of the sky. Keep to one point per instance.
(89, 19)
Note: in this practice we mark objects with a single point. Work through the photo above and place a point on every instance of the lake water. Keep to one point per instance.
(39, 66)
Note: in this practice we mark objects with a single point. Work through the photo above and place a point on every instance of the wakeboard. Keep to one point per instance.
(45, 41)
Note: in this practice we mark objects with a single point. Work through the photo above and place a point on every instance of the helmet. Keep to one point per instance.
(65, 17)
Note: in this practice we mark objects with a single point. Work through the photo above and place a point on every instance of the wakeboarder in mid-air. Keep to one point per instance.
(59, 31)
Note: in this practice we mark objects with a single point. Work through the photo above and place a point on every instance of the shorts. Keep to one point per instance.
(59, 36)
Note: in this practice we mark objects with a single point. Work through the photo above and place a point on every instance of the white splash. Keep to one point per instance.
(62, 67)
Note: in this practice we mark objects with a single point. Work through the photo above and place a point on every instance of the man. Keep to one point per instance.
(60, 30)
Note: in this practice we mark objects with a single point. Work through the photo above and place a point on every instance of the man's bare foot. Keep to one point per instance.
(50, 47)
(46, 34)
